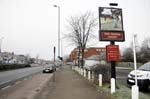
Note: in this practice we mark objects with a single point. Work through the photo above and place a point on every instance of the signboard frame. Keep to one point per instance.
(109, 29)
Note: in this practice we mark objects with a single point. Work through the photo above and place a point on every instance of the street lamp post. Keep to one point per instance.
(135, 88)
(61, 47)
(1, 44)
(58, 29)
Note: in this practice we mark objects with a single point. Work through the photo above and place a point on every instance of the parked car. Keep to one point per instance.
(49, 69)
(143, 76)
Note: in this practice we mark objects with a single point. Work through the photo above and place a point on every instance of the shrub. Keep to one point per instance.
(105, 70)
(12, 66)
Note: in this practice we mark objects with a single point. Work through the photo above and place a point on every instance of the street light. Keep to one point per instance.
(1, 43)
(58, 29)
(61, 47)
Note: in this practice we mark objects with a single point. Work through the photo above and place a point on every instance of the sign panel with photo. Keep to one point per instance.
(111, 24)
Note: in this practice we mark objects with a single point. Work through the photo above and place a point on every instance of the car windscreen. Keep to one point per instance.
(48, 66)
(145, 67)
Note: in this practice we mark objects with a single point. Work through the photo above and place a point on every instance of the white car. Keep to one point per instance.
(143, 76)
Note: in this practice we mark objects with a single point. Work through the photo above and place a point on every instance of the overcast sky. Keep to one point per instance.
(30, 26)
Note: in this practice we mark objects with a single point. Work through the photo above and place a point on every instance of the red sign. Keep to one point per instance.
(112, 52)
(112, 36)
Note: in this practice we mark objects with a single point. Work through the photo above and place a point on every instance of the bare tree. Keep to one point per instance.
(145, 50)
(128, 55)
(66, 58)
(146, 43)
(81, 28)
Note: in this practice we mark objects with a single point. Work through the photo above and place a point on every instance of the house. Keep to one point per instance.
(93, 60)
(11, 58)
(6, 57)
(97, 51)
(21, 59)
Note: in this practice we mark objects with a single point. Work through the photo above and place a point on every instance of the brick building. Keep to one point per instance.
(87, 53)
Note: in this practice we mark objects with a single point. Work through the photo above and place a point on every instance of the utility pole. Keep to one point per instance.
(1, 44)
(54, 64)
(58, 29)
(135, 88)
(54, 53)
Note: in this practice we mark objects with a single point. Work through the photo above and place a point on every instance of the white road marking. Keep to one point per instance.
(5, 82)
(6, 87)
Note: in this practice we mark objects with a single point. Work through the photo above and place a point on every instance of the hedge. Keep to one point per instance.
(105, 70)
(12, 66)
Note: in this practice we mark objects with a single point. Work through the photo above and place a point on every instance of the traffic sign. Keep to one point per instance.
(112, 53)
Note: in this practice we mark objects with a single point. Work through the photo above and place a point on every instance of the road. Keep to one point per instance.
(8, 77)
(121, 75)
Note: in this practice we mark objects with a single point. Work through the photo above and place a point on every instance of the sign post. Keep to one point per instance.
(112, 55)
(135, 88)
(54, 63)
(54, 53)
(111, 29)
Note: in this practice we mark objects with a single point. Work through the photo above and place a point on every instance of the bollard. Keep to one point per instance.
(89, 75)
(81, 71)
(76, 69)
(84, 73)
(100, 80)
(135, 92)
(113, 87)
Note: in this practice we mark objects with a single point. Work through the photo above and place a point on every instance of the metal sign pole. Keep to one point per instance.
(54, 64)
(113, 63)
(111, 29)
(134, 53)
(54, 53)
(135, 88)
(113, 73)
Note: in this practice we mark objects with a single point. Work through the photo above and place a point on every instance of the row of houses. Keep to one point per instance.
(11, 58)
(92, 56)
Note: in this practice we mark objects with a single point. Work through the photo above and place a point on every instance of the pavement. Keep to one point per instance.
(67, 84)
(63, 84)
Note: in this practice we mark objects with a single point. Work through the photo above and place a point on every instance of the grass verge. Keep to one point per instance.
(123, 92)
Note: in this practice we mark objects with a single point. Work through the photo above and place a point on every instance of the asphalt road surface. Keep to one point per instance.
(8, 77)
(122, 74)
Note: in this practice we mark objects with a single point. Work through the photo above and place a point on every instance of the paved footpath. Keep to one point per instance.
(70, 85)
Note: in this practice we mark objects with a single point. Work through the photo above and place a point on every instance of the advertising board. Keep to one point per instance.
(110, 24)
